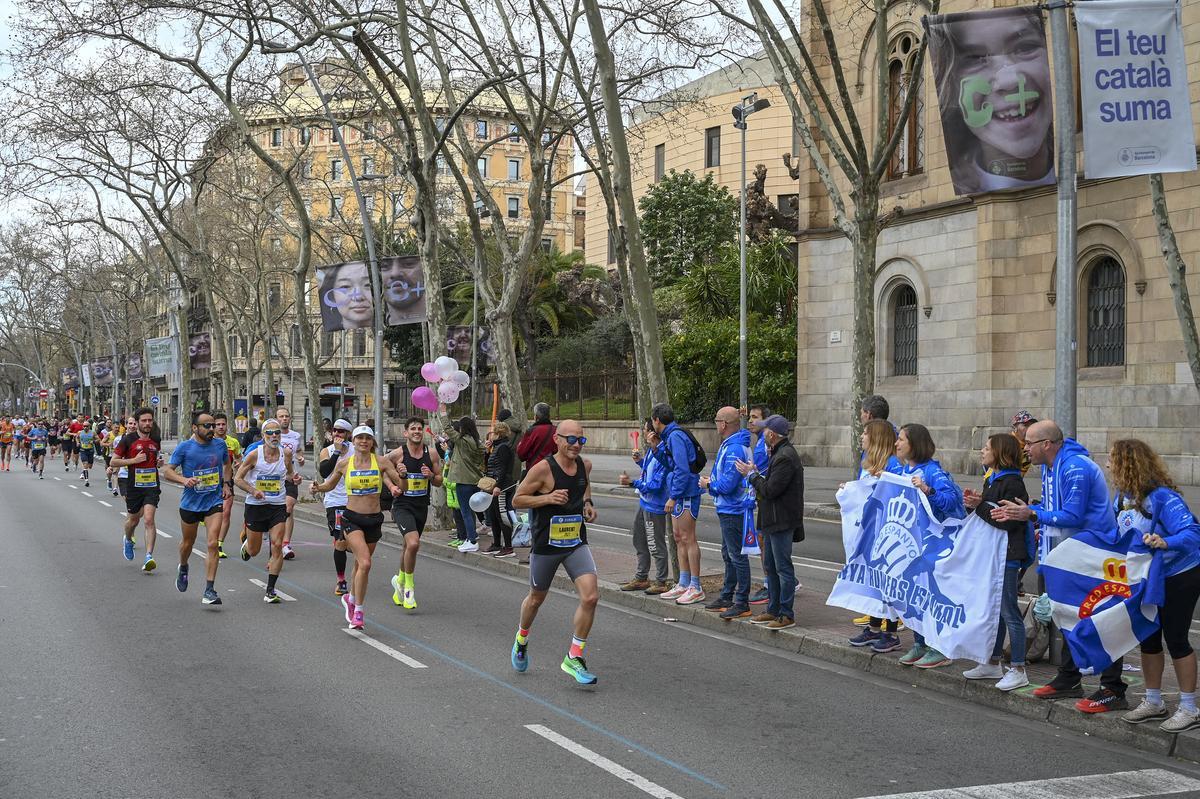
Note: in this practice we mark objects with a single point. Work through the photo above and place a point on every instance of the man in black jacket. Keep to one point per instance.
(780, 495)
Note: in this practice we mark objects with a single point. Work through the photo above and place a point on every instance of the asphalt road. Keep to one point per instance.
(116, 685)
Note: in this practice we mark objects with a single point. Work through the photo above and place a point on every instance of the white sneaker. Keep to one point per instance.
(690, 597)
(1013, 679)
(469, 546)
(985, 671)
(674, 593)
(1181, 721)
(1146, 711)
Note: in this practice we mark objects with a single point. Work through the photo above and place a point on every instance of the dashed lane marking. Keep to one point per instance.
(600, 761)
(283, 596)
(384, 648)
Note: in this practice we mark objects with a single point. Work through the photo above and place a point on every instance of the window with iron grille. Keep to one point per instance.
(904, 330)
(1106, 314)
(902, 77)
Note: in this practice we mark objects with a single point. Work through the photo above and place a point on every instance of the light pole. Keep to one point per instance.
(750, 103)
(482, 213)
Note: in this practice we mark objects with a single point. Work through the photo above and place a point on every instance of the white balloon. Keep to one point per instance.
(445, 366)
(480, 501)
(460, 378)
(448, 392)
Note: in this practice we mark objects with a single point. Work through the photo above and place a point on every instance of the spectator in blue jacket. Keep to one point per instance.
(650, 523)
(1146, 499)
(915, 449)
(731, 495)
(1074, 498)
(683, 503)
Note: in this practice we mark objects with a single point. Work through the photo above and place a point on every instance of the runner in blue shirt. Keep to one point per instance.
(198, 464)
(38, 436)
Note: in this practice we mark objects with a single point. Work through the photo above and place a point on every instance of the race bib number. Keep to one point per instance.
(358, 480)
(416, 486)
(565, 530)
(272, 486)
(145, 478)
(207, 479)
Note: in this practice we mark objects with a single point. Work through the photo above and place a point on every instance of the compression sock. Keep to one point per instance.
(271, 578)
(1187, 701)
(408, 579)
(685, 579)
(210, 585)
(577, 645)
(339, 563)
(522, 636)
(1154, 696)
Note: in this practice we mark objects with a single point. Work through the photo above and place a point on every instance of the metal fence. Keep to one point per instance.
(581, 395)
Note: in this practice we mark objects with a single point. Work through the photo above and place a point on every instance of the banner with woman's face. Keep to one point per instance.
(347, 302)
(200, 351)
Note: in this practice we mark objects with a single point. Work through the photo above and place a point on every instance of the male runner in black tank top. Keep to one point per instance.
(559, 494)
(422, 469)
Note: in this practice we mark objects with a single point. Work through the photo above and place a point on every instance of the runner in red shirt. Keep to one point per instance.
(70, 443)
(141, 454)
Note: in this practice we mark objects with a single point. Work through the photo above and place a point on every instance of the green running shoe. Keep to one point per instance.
(578, 669)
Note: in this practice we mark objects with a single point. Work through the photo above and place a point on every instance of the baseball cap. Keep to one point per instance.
(342, 424)
(1022, 417)
(776, 424)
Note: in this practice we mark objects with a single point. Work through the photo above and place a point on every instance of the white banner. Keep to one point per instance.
(1137, 115)
(161, 356)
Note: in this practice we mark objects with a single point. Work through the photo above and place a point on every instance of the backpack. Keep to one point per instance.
(700, 458)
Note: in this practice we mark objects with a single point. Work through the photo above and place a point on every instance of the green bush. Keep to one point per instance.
(604, 344)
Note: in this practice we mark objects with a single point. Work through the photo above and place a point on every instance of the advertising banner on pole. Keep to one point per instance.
(160, 356)
(347, 301)
(133, 366)
(1137, 115)
(69, 377)
(993, 84)
(102, 372)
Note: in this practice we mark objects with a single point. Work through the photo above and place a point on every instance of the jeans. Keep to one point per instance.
(1010, 619)
(781, 574)
(737, 565)
(649, 540)
(464, 493)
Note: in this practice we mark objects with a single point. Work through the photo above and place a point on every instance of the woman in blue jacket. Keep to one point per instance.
(1146, 499)
(915, 449)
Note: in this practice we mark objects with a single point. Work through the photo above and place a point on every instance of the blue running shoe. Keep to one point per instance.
(865, 638)
(128, 547)
(578, 669)
(210, 597)
(520, 659)
(181, 575)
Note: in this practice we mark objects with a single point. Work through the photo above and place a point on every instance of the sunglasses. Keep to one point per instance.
(208, 426)
(272, 432)
(573, 440)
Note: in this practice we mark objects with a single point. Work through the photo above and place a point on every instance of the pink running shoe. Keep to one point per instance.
(674, 593)
(690, 597)
(348, 604)
(357, 624)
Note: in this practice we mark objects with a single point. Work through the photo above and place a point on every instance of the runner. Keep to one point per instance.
(290, 441)
(106, 439)
(19, 439)
(362, 521)
(558, 492)
(139, 450)
(118, 477)
(198, 465)
(7, 434)
(54, 437)
(264, 472)
(69, 443)
(38, 436)
(421, 468)
(235, 457)
(85, 446)
(335, 500)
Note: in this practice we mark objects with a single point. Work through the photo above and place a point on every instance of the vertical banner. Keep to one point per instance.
(133, 367)
(87, 375)
(403, 282)
(160, 356)
(102, 372)
(69, 377)
(993, 84)
(200, 351)
(1137, 115)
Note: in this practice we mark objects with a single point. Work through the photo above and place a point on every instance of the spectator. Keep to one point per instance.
(251, 435)
(1146, 499)
(1001, 457)
(874, 407)
(517, 429)
(780, 497)
(537, 443)
(914, 447)
(466, 468)
(1021, 422)
(499, 468)
(683, 503)
(650, 522)
(731, 495)
(1074, 498)
(757, 415)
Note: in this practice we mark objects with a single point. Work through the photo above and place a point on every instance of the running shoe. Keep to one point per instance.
(1102, 701)
(861, 621)
(348, 604)
(886, 642)
(221, 550)
(760, 597)
(410, 599)
(245, 553)
(288, 552)
(1146, 711)
(932, 659)
(398, 585)
(455, 542)
(127, 546)
(114, 492)
(1182, 721)
(865, 638)
(181, 578)
(578, 669)
(469, 546)
(690, 597)
(271, 598)
(149, 565)
(87, 484)
(210, 597)
(1013, 679)
(520, 658)
(341, 588)
(676, 592)
(357, 622)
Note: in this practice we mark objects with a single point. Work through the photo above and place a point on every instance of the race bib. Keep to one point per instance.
(565, 530)
(416, 486)
(145, 478)
(357, 479)
(207, 479)
(269, 485)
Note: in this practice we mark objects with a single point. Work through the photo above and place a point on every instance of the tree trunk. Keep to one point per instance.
(1176, 276)
(183, 412)
(508, 371)
(221, 345)
(866, 218)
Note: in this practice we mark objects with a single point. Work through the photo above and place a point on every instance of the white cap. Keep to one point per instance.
(362, 430)
(342, 424)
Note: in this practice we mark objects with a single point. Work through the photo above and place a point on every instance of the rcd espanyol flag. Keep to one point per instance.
(1105, 590)
(942, 580)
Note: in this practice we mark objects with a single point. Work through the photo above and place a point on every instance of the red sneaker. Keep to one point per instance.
(1102, 701)
(1051, 691)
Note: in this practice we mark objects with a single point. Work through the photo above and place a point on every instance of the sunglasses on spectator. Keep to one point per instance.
(573, 440)
(207, 426)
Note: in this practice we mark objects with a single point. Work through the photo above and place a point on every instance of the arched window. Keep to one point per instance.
(1106, 313)
(909, 157)
(904, 330)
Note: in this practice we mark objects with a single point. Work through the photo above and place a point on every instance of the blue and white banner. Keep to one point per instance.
(1105, 590)
(943, 580)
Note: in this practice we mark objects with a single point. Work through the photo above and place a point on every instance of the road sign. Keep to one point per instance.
(43, 393)
(154, 400)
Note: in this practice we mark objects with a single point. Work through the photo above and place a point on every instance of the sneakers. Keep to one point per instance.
(675, 592)
(719, 605)
(887, 642)
(763, 618)
(341, 588)
(505, 552)
(913, 655)
(356, 623)
(1102, 701)
(985, 671)
(578, 669)
(469, 546)
(221, 550)
(492, 550)
(782, 623)
(245, 553)
(1052, 691)
(455, 542)
(148, 564)
(397, 589)
(181, 578)
(410, 599)
(288, 552)
(932, 659)
(1144, 712)
(636, 584)
(760, 597)
(865, 638)
(862, 621)
(1182, 720)
(657, 588)
(690, 597)
(210, 597)
(736, 612)
(127, 548)
(348, 604)
(271, 598)
(520, 658)
(1013, 679)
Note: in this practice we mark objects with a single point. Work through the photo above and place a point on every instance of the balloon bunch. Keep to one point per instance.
(449, 379)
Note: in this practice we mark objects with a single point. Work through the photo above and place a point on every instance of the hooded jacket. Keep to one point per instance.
(947, 498)
(726, 484)
(682, 482)
(652, 485)
(1173, 520)
(1074, 494)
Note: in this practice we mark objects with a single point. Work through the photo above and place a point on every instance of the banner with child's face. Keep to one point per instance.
(993, 84)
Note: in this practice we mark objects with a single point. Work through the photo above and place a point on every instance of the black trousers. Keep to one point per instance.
(1069, 674)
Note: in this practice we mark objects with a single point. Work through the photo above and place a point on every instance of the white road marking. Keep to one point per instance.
(201, 554)
(105, 504)
(164, 535)
(71, 485)
(282, 595)
(598, 760)
(58, 478)
(86, 494)
(1119, 785)
(385, 649)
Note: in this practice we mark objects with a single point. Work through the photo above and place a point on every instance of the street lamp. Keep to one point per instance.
(750, 104)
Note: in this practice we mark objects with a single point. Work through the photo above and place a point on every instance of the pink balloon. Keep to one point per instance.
(424, 398)
(430, 373)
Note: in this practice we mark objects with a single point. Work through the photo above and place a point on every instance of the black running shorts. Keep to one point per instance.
(197, 516)
(261, 518)
(371, 524)
(135, 498)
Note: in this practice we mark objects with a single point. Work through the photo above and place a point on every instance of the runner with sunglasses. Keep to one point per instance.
(559, 494)
(264, 474)
(335, 500)
(198, 465)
